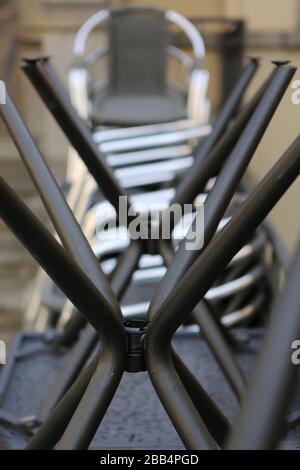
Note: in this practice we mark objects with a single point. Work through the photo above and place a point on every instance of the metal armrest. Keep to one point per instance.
(198, 106)
(78, 77)
(78, 80)
(191, 32)
(181, 57)
(82, 35)
(94, 56)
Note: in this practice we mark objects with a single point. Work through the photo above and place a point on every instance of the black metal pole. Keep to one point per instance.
(94, 404)
(227, 182)
(236, 164)
(191, 185)
(260, 423)
(51, 430)
(217, 338)
(69, 277)
(198, 280)
(120, 278)
(216, 204)
(83, 294)
(222, 122)
(232, 47)
(215, 421)
(127, 264)
(54, 201)
(74, 362)
(221, 349)
(81, 351)
(229, 108)
(41, 73)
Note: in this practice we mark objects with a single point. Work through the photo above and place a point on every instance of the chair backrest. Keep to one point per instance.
(139, 51)
(138, 40)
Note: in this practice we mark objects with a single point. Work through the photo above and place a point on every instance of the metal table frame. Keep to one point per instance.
(136, 346)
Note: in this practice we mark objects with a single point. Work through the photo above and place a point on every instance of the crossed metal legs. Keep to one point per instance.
(74, 420)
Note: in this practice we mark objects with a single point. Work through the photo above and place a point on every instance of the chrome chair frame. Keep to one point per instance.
(197, 76)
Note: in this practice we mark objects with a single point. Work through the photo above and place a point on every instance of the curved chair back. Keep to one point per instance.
(139, 47)
(138, 40)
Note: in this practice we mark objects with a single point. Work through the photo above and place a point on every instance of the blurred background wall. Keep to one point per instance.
(48, 27)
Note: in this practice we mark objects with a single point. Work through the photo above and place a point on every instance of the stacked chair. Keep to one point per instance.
(152, 148)
(148, 159)
(184, 324)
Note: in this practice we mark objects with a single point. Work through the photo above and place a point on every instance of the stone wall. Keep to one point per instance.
(15, 265)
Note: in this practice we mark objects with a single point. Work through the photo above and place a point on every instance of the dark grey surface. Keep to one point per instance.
(136, 110)
(136, 419)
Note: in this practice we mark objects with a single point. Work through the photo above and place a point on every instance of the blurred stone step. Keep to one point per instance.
(11, 251)
(12, 296)
(16, 176)
(14, 171)
(10, 322)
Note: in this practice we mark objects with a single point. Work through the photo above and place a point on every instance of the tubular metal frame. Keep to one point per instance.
(77, 287)
(197, 280)
(50, 76)
(43, 77)
(229, 178)
(59, 212)
(263, 428)
(199, 423)
(165, 173)
(266, 195)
